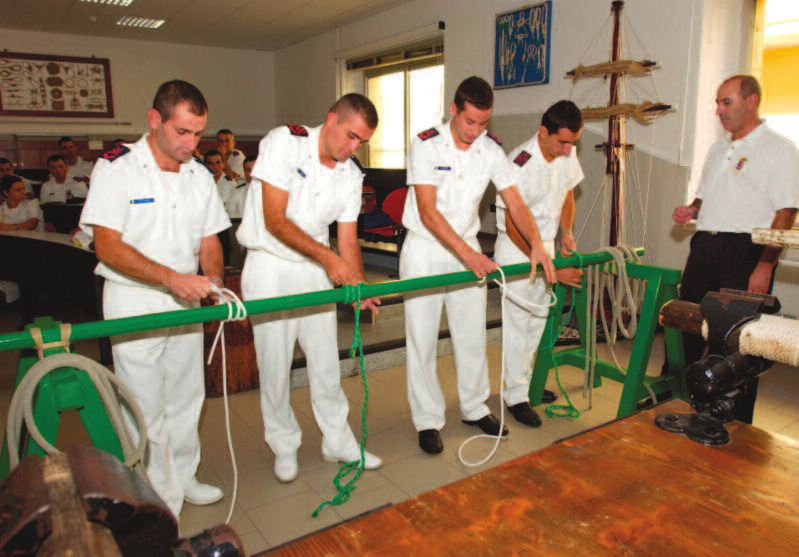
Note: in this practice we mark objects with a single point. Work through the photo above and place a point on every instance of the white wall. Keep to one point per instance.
(238, 84)
(697, 42)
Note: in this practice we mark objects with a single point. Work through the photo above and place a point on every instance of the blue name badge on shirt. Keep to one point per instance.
(445, 168)
(142, 201)
(300, 172)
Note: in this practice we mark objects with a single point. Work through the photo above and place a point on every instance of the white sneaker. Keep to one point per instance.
(348, 455)
(201, 494)
(286, 467)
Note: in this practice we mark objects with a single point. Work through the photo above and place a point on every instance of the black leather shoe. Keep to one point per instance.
(430, 441)
(489, 424)
(548, 397)
(525, 414)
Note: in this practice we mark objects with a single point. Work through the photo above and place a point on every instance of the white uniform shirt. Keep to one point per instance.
(225, 187)
(163, 215)
(543, 185)
(82, 168)
(236, 162)
(318, 195)
(460, 178)
(745, 182)
(28, 209)
(235, 205)
(53, 192)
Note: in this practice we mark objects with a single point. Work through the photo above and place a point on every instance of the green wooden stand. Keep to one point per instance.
(63, 389)
(661, 286)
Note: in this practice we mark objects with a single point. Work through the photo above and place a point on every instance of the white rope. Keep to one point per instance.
(105, 383)
(228, 297)
(525, 304)
(619, 290)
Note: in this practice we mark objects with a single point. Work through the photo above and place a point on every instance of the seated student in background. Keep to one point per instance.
(224, 183)
(79, 168)
(7, 169)
(225, 186)
(60, 188)
(232, 158)
(16, 213)
(235, 207)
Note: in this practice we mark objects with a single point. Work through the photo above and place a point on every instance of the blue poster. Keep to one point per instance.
(522, 44)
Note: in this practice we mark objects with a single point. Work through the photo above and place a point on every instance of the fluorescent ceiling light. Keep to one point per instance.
(120, 3)
(141, 22)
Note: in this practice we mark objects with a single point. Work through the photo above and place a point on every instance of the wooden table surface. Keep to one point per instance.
(626, 488)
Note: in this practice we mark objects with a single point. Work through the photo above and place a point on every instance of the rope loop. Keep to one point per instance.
(41, 346)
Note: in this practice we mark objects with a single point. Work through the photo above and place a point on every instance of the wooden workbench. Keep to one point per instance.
(626, 488)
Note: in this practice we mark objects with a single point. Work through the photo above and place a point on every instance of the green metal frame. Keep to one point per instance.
(68, 388)
(661, 286)
(62, 390)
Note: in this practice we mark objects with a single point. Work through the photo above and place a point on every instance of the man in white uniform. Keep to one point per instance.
(232, 158)
(61, 187)
(308, 179)
(79, 168)
(545, 170)
(750, 180)
(154, 214)
(224, 183)
(449, 168)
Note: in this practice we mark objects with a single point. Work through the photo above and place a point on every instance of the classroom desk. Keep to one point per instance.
(48, 263)
(626, 488)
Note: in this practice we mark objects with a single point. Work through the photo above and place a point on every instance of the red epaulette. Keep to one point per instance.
(427, 134)
(522, 158)
(116, 152)
(297, 130)
(496, 140)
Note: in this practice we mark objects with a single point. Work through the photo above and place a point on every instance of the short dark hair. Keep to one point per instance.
(64, 140)
(250, 159)
(475, 91)
(8, 181)
(225, 131)
(211, 153)
(4, 160)
(54, 158)
(355, 103)
(562, 114)
(175, 92)
(749, 85)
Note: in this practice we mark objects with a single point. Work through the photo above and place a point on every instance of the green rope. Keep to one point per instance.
(567, 410)
(343, 492)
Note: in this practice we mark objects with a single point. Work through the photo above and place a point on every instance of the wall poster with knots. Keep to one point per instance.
(45, 85)
(522, 43)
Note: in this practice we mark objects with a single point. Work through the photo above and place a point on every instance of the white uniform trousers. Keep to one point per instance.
(164, 369)
(466, 315)
(265, 276)
(522, 328)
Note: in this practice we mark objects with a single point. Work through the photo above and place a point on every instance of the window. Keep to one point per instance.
(407, 88)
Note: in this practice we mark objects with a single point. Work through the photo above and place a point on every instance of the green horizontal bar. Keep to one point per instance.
(126, 325)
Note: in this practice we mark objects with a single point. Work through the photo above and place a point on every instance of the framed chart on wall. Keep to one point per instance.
(45, 85)
(522, 43)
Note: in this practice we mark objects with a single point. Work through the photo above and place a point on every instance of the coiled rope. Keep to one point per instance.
(109, 387)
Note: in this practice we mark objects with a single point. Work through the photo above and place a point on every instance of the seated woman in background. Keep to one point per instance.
(17, 213)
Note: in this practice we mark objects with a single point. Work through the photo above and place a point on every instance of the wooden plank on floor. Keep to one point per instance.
(627, 488)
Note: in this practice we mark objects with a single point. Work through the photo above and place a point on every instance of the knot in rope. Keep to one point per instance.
(352, 292)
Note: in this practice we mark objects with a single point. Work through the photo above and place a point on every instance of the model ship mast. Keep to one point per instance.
(616, 113)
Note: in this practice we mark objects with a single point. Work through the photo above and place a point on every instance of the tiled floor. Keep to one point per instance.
(269, 513)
